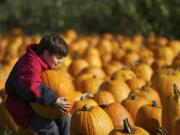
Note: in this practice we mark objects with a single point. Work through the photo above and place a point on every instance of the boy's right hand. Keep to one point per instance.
(62, 103)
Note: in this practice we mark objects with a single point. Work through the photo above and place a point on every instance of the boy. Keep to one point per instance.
(24, 85)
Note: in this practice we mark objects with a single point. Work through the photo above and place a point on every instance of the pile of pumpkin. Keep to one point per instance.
(117, 84)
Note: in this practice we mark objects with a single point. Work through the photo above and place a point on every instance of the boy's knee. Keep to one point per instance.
(65, 120)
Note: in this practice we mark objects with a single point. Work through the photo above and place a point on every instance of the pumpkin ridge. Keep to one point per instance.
(97, 122)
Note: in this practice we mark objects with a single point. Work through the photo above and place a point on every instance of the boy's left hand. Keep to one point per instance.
(63, 105)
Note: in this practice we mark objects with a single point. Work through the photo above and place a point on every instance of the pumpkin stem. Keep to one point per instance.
(165, 66)
(171, 73)
(144, 87)
(154, 104)
(103, 105)
(162, 131)
(127, 127)
(176, 90)
(113, 77)
(105, 84)
(133, 96)
(86, 108)
(76, 57)
(177, 68)
(85, 96)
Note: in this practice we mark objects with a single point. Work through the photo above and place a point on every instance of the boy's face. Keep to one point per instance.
(53, 60)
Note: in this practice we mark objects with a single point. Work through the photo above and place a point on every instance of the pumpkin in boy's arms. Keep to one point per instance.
(61, 84)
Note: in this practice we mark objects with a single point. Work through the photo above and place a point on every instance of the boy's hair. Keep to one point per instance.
(54, 44)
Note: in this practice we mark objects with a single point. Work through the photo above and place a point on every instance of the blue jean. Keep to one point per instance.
(44, 126)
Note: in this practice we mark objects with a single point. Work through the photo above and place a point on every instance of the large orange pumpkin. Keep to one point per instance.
(62, 86)
(91, 121)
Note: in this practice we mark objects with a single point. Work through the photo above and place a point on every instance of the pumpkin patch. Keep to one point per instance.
(106, 78)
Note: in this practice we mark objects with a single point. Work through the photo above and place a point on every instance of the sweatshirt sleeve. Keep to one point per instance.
(30, 79)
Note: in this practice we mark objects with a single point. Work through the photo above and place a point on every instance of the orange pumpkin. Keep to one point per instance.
(95, 71)
(79, 79)
(175, 45)
(149, 117)
(112, 67)
(143, 71)
(104, 97)
(163, 83)
(146, 56)
(133, 104)
(127, 129)
(91, 85)
(136, 83)
(77, 95)
(176, 61)
(123, 74)
(62, 86)
(130, 58)
(148, 93)
(171, 110)
(86, 99)
(165, 53)
(91, 121)
(176, 127)
(77, 66)
(118, 88)
(117, 113)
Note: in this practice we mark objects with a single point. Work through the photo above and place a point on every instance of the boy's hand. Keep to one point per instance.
(62, 103)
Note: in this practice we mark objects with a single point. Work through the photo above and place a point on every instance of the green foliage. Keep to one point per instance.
(161, 17)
